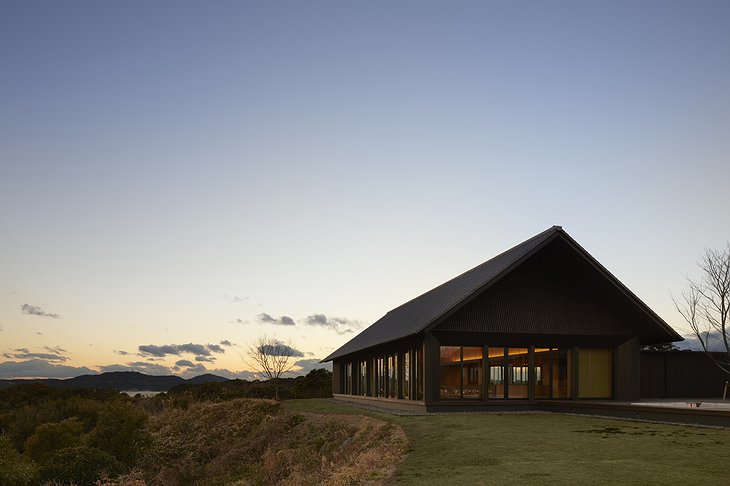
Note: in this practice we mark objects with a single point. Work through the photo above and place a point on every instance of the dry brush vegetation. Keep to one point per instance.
(251, 442)
(64, 438)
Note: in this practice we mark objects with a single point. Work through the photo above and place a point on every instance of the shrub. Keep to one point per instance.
(24, 407)
(120, 431)
(49, 438)
(14, 469)
(315, 384)
(81, 465)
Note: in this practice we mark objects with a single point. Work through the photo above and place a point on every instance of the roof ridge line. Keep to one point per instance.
(552, 228)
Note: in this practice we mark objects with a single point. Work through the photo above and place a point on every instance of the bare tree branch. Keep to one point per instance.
(705, 305)
(271, 358)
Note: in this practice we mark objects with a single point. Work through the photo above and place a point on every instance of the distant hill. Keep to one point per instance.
(206, 378)
(121, 380)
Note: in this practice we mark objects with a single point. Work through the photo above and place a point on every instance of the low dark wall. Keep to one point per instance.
(680, 374)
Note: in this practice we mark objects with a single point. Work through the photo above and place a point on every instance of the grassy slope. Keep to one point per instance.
(549, 448)
(257, 442)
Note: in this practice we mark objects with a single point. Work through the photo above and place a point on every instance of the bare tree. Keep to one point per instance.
(271, 358)
(705, 305)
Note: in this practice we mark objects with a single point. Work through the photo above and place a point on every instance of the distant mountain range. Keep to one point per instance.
(120, 380)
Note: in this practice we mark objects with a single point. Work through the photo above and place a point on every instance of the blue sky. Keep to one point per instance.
(173, 172)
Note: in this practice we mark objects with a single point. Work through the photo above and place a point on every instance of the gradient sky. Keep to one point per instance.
(171, 173)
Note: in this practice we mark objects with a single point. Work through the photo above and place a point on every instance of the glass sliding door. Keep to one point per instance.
(542, 372)
(518, 374)
(450, 360)
(407, 375)
(471, 368)
(419, 373)
(362, 386)
(380, 377)
(348, 379)
(393, 376)
(496, 373)
(562, 370)
(461, 372)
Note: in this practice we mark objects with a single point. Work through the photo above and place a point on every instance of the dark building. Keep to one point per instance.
(541, 321)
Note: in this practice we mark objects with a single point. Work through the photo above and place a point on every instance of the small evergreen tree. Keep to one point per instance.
(121, 431)
(81, 465)
(51, 437)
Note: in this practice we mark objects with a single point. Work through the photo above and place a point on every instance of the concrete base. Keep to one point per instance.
(655, 412)
(386, 404)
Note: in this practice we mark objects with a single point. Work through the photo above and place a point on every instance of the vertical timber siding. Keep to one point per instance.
(626, 371)
(680, 374)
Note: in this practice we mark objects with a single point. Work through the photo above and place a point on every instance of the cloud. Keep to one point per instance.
(194, 370)
(34, 310)
(122, 353)
(39, 368)
(55, 350)
(226, 342)
(281, 349)
(178, 349)
(45, 356)
(239, 321)
(216, 348)
(306, 365)
(139, 366)
(205, 359)
(282, 321)
(340, 325)
(53, 354)
(184, 362)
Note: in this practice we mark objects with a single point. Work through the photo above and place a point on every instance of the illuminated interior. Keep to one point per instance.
(518, 376)
(511, 373)
(461, 372)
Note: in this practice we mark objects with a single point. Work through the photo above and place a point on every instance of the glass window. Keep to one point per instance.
(450, 372)
(393, 376)
(348, 378)
(562, 371)
(406, 374)
(380, 377)
(542, 372)
(372, 379)
(363, 382)
(418, 369)
(472, 372)
(517, 372)
(461, 372)
(496, 373)
(595, 373)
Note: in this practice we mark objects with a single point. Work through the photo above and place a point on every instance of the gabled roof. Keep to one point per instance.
(429, 308)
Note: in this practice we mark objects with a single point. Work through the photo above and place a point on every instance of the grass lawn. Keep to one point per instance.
(541, 448)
